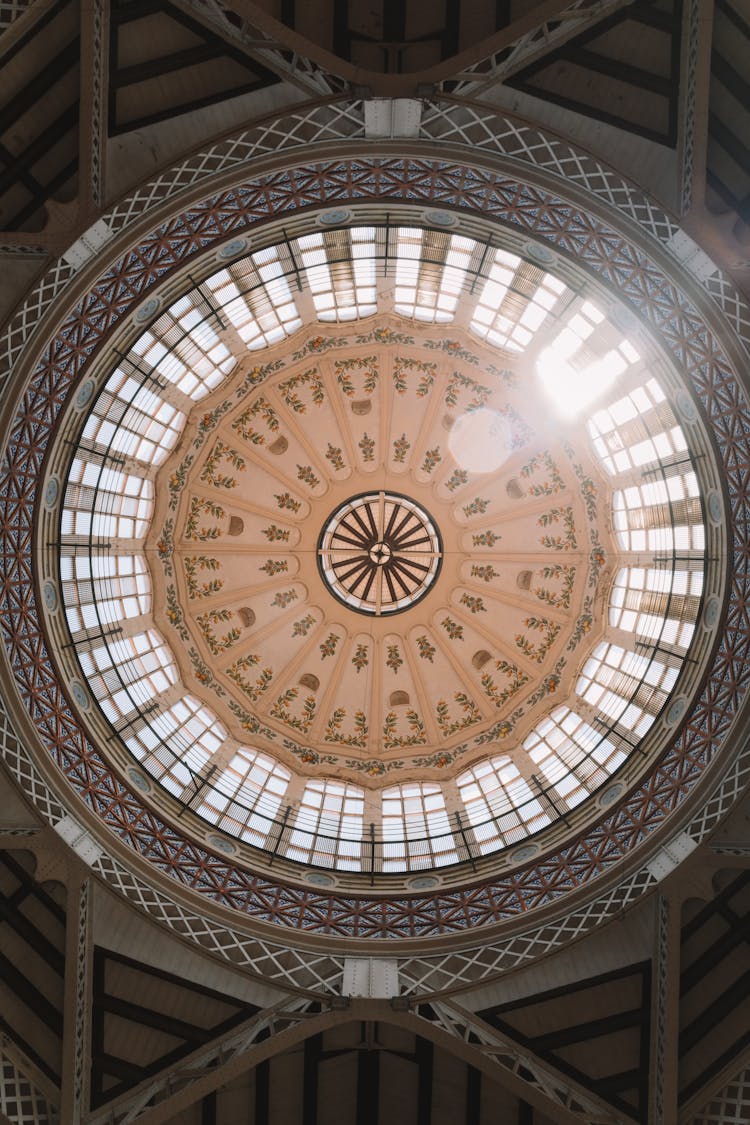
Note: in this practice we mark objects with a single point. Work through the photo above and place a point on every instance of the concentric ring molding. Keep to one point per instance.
(682, 767)
(187, 472)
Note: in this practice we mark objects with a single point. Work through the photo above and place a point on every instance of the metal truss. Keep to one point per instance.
(22, 1101)
(556, 1094)
(691, 29)
(666, 984)
(289, 64)
(78, 970)
(738, 851)
(10, 10)
(540, 40)
(728, 1105)
(158, 1099)
(278, 1029)
(93, 127)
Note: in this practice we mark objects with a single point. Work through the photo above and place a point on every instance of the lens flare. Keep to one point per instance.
(480, 440)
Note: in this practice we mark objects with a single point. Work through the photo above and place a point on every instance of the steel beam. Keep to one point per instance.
(724, 1004)
(77, 1010)
(31, 934)
(701, 1095)
(256, 46)
(30, 995)
(262, 1098)
(26, 25)
(665, 1019)
(182, 1085)
(514, 1067)
(92, 143)
(368, 1086)
(525, 41)
(692, 114)
(282, 1028)
(473, 1095)
(424, 1052)
(313, 1047)
(548, 24)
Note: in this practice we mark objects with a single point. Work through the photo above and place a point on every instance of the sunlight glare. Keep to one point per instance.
(572, 390)
(480, 440)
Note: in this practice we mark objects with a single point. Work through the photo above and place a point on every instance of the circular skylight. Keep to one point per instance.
(407, 722)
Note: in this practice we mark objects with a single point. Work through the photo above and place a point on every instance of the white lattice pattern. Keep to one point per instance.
(277, 963)
(734, 782)
(20, 1101)
(10, 10)
(481, 130)
(508, 1056)
(484, 130)
(469, 967)
(731, 1106)
(265, 1024)
(569, 22)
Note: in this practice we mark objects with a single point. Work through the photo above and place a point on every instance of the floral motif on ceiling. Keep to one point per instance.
(659, 302)
(234, 555)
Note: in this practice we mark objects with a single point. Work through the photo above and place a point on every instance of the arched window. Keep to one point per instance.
(177, 742)
(328, 827)
(416, 829)
(104, 589)
(128, 673)
(515, 301)
(102, 503)
(625, 687)
(657, 605)
(255, 297)
(430, 270)
(340, 270)
(500, 805)
(571, 755)
(636, 430)
(130, 419)
(244, 798)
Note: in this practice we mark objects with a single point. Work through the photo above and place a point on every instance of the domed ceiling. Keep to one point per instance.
(420, 586)
(458, 593)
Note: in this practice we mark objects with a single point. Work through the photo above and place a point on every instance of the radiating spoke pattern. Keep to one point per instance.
(379, 553)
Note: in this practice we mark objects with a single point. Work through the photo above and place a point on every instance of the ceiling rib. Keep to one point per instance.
(610, 1015)
(579, 52)
(211, 48)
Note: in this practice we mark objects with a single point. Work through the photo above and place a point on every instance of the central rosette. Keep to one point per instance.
(379, 553)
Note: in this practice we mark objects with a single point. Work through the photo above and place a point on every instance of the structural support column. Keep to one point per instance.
(695, 65)
(92, 122)
(77, 1014)
(665, 1021)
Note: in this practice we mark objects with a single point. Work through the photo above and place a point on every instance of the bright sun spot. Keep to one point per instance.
(572, 390)
(480, 440)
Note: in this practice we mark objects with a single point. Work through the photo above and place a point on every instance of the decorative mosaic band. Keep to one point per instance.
(616, 262)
